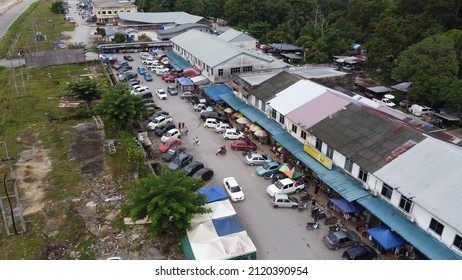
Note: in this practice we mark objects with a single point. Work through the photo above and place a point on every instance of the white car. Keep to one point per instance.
(232, 134)
(284, 186)
(257, 159)
(221, 127)
(172, 133)
(139, 90)
(161, 71)
(210, 123)
(138, 87)
(159, 121)
(161, 94)
(233, 189)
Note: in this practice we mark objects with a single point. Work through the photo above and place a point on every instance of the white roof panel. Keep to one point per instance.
(296, 95)
(430, 173)
(160, 18)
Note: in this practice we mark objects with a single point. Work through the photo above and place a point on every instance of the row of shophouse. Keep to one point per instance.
(401, 170)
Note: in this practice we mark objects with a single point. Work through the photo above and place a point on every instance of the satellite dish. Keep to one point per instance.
(389, 96)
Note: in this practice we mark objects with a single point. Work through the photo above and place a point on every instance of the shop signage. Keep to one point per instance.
(317, 155)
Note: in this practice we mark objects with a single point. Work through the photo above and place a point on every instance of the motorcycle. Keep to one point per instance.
(221, 151)
(302, 206)
(330, 220)
(247, 152)
(335, 228)
(314, 225)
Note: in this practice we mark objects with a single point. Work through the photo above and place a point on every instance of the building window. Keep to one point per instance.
(109, 12)
(247, 69)
(220, 72)
(303, 135)
(294, 128)
(458, 242)
(318, 144)
(362, 175)
(405, 204)
(273, 113)
(386, 191)
(263, 106)
(235, 70)
(330, 152)
(281, 119)
(436, 226)
(104, 12)
(348, 165)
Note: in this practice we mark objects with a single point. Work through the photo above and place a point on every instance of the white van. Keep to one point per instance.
(233, 134)
(210, 123)
(162, 71)
(419, 110)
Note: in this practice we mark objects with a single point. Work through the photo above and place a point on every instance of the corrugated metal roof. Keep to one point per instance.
(430, 173)
(296, 95)
(415, 235)
(182, 27)
(233, 35)
(268, 89)
(318, 109)
(210, 49)
(177, 61)
(357, 131)
(233, 101)
(215, 92)
(160, 18)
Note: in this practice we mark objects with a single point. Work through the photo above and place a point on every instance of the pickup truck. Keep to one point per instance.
(159, 121)
(286, 186)
(386, 101)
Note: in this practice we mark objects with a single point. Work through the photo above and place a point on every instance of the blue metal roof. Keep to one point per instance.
(177, 61)
(184, 81)
(415, 235)
(271, 126)
(253, 114)
(233, 101)
(215, 92)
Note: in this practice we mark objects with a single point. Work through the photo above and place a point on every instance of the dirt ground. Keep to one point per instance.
(99, 204)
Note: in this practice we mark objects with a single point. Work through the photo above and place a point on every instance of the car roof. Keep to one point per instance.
(173, 130)
(232, 181)
(286, 181)
(256, 155)
(281, 195)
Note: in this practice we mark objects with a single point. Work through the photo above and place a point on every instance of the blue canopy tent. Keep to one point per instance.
(345, 205)
(214, 92)
(228, 225)
(386, 238)
(185, 84)
(213, 193)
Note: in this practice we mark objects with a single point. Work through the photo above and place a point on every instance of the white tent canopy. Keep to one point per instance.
(220, 209)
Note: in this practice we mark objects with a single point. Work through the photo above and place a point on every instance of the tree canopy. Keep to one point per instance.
(118, 105)
(86, 89)
(120, 38)
(170, 201)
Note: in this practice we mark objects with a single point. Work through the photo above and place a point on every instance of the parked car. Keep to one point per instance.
(139, 89)
(127, 75)
(157, 114)
(180, 161)
(193, 167)
(233, 134)
(281, 200)
(233, 189)
(186, 94)
(168, 144)
(286, 186)
(141, 70)
(201, 106)
(419, 110)
(128, 57)
(205, 174)
(210, 123)
(244, 144)
(172, 90)
(144, 55)
(161, 94)
(341, 239)
(119, 64)
(170, 79)
(172, 153)
(214, 115)
(161, 71)
(133, 82)
(172, 133)
(268, 168)
(359, 252)
(159, 131)
(257, 159)
(221, 127)
(159, 121)
(148, 77)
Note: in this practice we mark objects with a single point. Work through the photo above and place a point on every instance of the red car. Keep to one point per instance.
(243, 145)
(171, 78)
(165, 76)
(170, 143)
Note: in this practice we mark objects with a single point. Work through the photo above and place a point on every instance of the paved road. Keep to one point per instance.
(277, 233)
(9, 17)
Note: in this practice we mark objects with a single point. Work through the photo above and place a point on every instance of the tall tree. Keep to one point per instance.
(86, 90)
(431, 66)
(170, 201)
(120, 38)
(120, 106)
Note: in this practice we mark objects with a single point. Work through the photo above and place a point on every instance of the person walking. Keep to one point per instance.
(186, 130)
(196, 141)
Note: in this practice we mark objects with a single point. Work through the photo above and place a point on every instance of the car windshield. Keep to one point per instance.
(278, 185)
(235, 189)
(171, 152)
(266, 166)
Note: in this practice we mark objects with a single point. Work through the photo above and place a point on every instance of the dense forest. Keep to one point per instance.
(406, 40)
